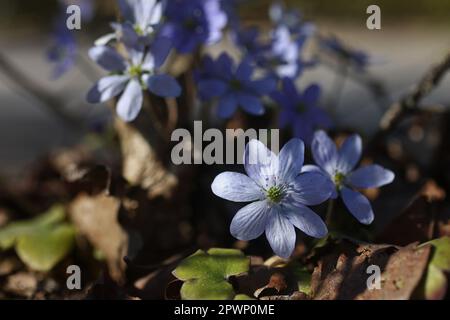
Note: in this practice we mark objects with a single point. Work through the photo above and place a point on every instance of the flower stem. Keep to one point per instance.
(330, 210)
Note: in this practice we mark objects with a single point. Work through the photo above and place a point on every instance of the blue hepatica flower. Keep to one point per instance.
(191, 23)
(292, 19)
(248, 39)
(279, 57)
(338, 166)
(139, 29)
(129, 77)
(233, 86)
(300, 110)
(141, 17)
(284, 54)
(63, 51)
(357, 58)
(279, 196)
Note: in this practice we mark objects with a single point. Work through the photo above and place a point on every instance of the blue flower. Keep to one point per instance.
(279, 57)
(357, 58)
(191, 23)
(139, 29)
(300, 111)
(279, 196)
(233, 86)
(248, 39)
(284, 54)
(338, 166)
(141, 18)
(63, 51)
(129, 76)
(292, 19)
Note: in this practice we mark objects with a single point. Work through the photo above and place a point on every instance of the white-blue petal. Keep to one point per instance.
(210, 88)
(312, 188)
(227, 106)
(307, 221)
(349, 154)
(358, 205)
(250, 222)
(107, 88)
(130, 103)
(260, 163)
(313, 168)
(280, 233)
(108, 58)
(291, 159)
(164, 85)
(250, 104)
(371, 176)
(236, 187)
(324, 151)
(104, 40)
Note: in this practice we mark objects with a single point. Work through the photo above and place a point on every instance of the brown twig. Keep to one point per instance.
(411, 101)
(172, 114)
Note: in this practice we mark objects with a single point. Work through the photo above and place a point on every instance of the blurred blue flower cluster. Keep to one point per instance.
(233, 86)
(278, 60)
(267, 71)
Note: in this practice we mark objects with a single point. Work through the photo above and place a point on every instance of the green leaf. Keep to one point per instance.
(441, 254)
(40, 242)
(10, 233)
(43, 249)
(303, 277)
(207, 289)
(435, 285)
(206, 273)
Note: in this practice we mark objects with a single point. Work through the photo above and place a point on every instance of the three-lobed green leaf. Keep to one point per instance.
(40, 242)
(205, 274)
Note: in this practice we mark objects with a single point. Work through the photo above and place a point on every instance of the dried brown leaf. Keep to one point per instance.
(343, 275)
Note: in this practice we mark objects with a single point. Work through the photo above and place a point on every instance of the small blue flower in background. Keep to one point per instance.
(138, 31)
(338, 166)
(129, 76)
(141, 18)
(300, 110)
(357, 58)
(233, 86)
(63, 50)
(292, 19)
(283, 58)
(279, 196)
(191, 23)
(248, 39)
(279, 56)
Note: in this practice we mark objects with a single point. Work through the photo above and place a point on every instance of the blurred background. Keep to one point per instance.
(414, 35)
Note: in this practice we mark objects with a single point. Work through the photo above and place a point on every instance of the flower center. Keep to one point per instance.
(339, 179)
(301, 107)
(135, 71)
(235, 85)
(138, 30)
(190, 24)
(275, 194)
